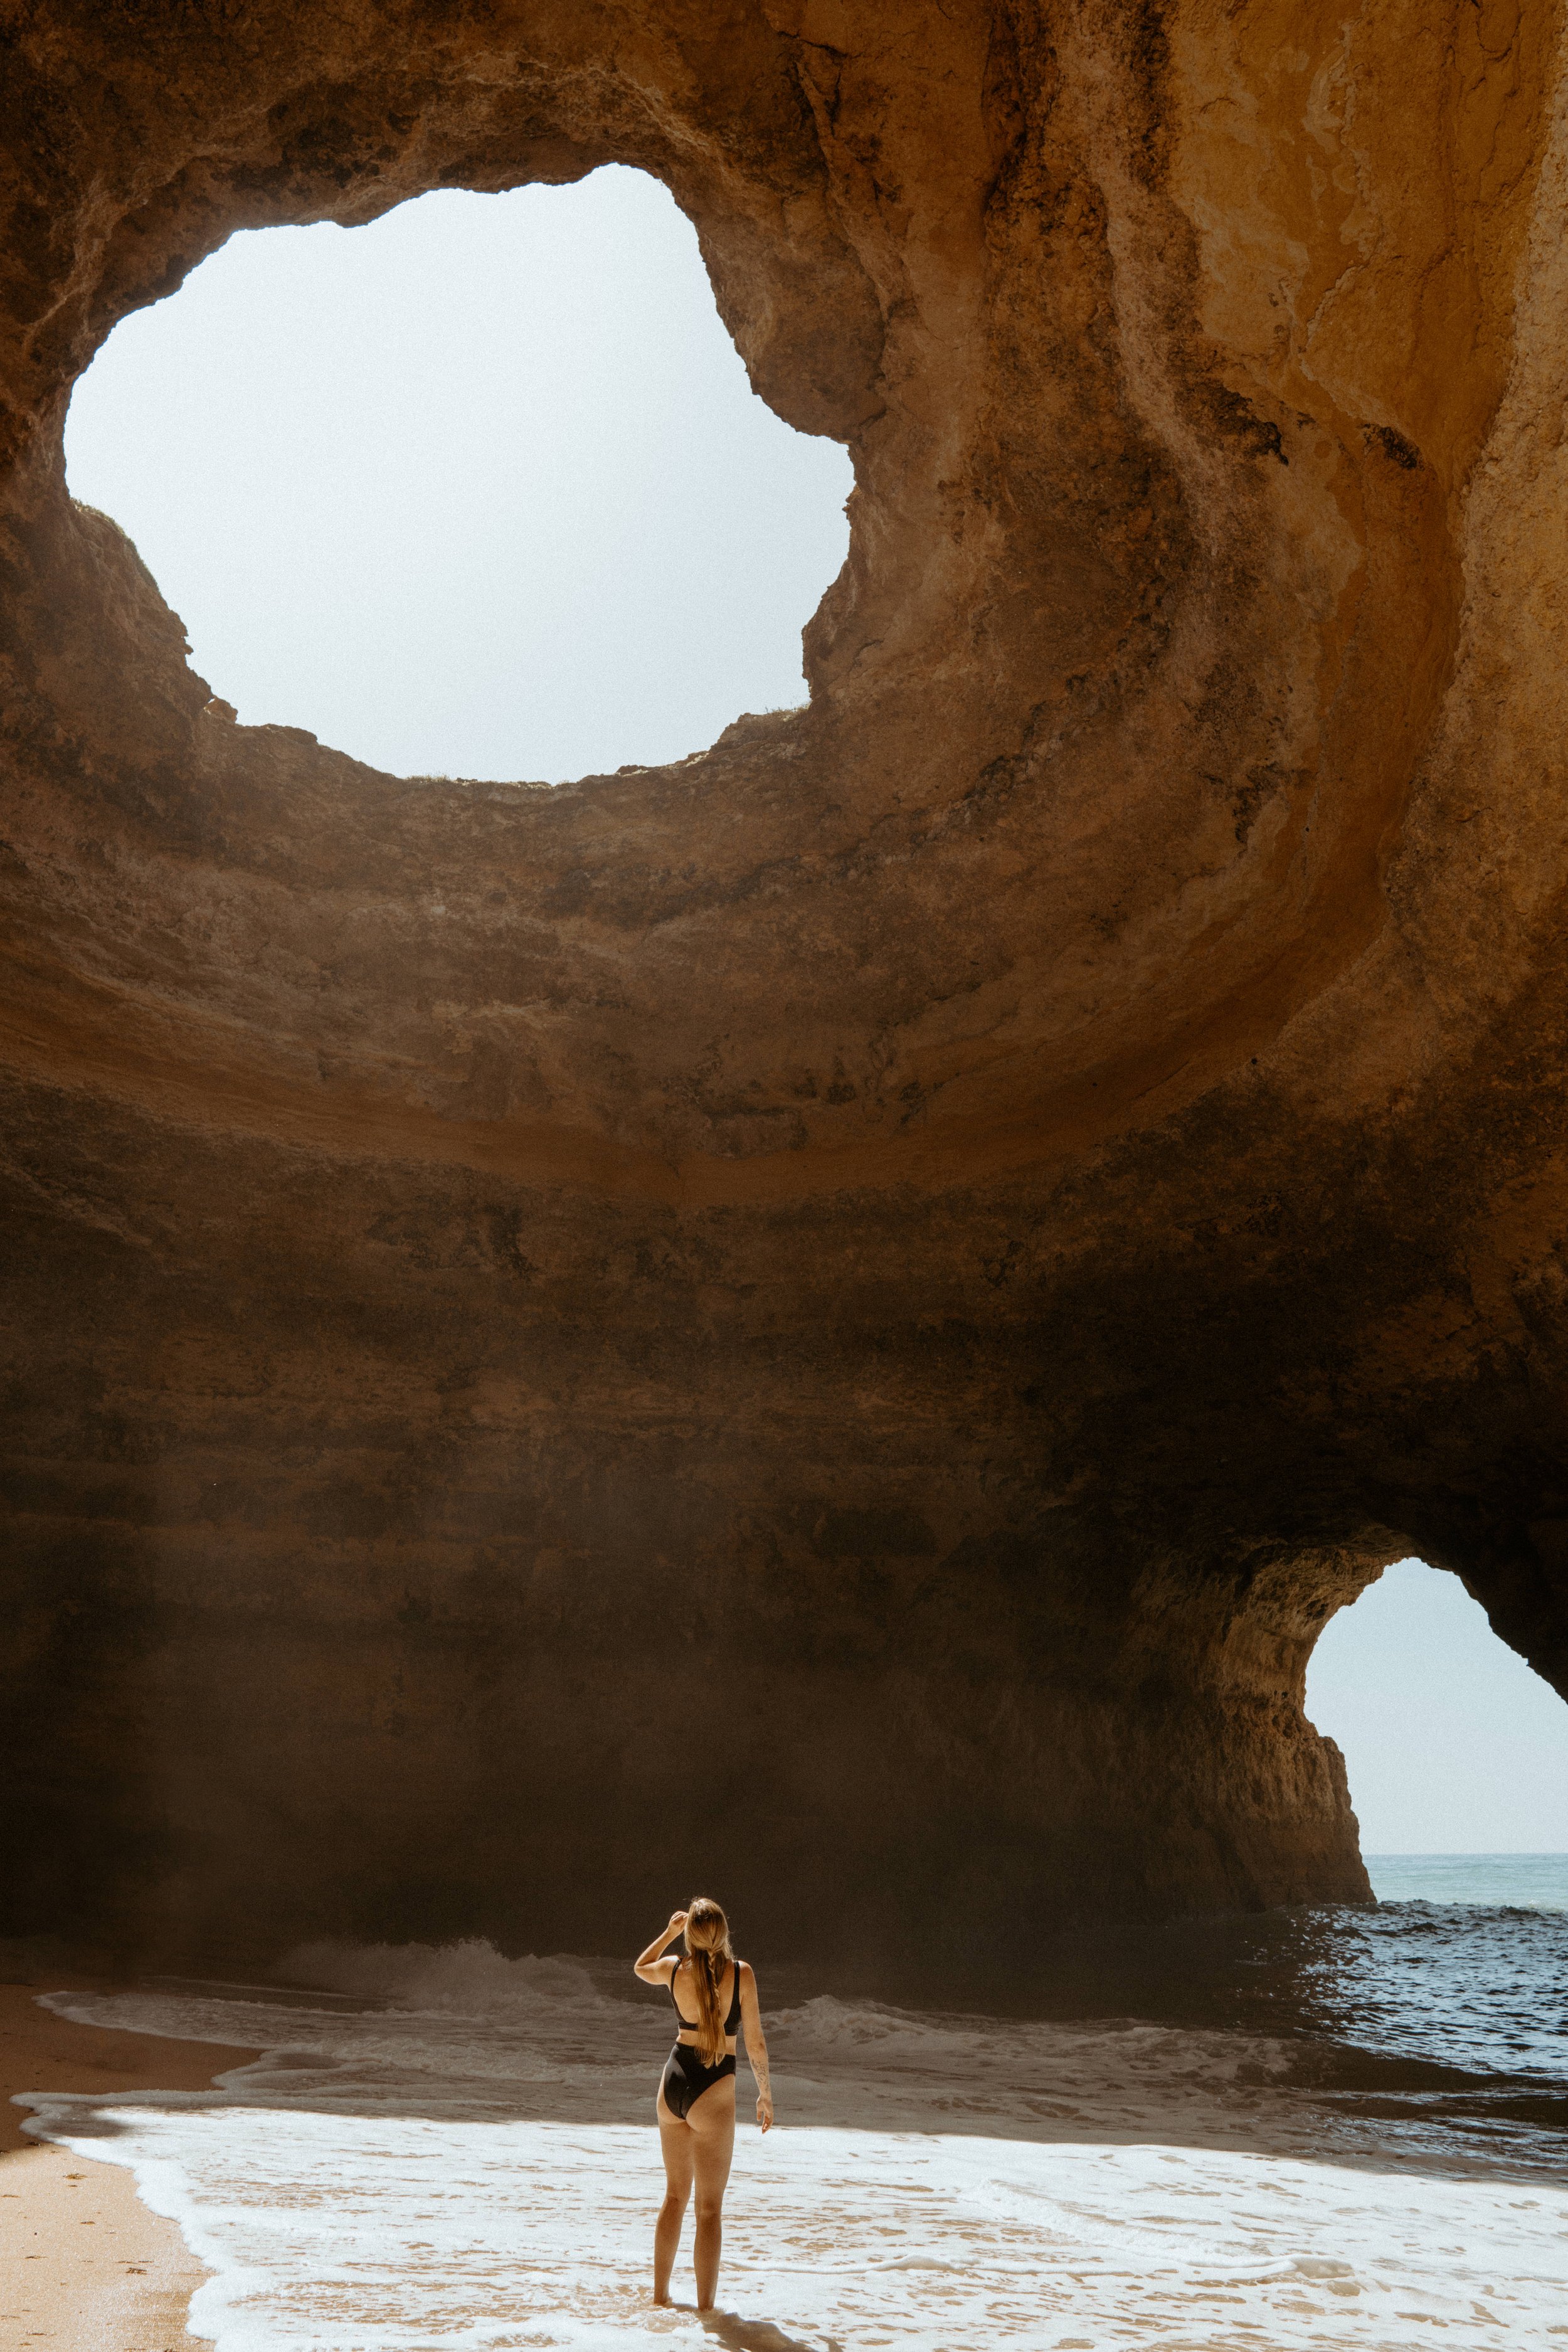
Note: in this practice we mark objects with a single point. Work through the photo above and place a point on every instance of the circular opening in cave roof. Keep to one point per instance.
(478, 490)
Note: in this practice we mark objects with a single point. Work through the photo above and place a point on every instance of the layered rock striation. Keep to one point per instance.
(834, 1319)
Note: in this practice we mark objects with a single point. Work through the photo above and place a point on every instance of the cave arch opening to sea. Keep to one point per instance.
(1456, 1751)
(480, 489)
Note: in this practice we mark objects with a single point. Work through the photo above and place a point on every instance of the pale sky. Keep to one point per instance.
(478, 491)
(1453, 1744)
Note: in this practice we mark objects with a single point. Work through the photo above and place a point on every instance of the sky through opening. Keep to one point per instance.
(1453, 1745)
(481, 489)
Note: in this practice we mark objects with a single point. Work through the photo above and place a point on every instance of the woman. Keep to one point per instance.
(696, 2104)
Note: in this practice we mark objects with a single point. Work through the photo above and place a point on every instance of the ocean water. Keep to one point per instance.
(1519, 1881)
(1316, 2128)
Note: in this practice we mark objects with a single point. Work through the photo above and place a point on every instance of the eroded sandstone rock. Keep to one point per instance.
(909, 1261)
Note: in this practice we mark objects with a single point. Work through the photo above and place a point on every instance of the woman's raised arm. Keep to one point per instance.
(649, 1966)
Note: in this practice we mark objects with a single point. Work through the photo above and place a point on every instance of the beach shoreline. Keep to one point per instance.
(84, 2263)
(450, 2144)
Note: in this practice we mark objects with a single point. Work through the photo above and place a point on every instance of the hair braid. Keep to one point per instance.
(708, 1944)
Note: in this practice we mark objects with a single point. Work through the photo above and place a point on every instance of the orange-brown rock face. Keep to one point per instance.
(833, 1319)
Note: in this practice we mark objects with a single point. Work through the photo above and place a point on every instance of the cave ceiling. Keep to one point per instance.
(936, 1240)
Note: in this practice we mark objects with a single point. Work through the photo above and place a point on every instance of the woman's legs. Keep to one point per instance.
(711, 2130)
(676, 2141)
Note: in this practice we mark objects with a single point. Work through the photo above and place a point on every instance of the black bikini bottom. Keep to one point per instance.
(686, 2077)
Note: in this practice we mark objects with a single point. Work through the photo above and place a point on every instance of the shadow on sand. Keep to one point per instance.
(738, 2335)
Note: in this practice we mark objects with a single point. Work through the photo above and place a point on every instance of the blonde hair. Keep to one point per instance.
(708, 1945)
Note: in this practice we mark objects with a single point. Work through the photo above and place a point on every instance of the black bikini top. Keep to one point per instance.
(732, 2023)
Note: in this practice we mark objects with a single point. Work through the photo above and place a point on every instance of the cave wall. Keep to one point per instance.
(833, 1319)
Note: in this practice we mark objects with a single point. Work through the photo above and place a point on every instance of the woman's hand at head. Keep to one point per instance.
(765, 2109)
(676, 1919)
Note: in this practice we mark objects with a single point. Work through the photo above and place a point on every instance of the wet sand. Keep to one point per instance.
(446, 2144)
(84, 2266)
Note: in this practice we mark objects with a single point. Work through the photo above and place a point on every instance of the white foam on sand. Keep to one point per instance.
(471, 2165)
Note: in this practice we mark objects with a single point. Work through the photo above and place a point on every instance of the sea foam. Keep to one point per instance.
(447, 2148)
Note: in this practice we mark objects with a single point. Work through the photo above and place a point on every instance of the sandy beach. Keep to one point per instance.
(84, 2266)
(448, 2145)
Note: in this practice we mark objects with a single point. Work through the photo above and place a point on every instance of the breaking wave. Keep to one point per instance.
(442, 2146)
